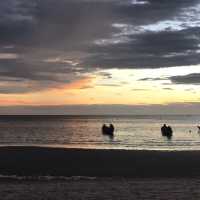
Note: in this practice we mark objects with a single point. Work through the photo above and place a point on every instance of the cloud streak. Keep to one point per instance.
(193, 79)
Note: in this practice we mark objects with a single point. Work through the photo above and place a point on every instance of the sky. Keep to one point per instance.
(99, 56)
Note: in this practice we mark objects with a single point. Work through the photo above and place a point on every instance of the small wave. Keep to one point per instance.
(44, 178)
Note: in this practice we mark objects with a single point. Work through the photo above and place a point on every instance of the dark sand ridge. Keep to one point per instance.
(31, 161)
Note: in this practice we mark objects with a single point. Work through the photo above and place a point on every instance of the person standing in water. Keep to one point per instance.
(112, 128)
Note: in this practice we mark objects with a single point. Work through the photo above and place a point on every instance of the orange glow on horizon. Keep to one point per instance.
(78, 84)
(64, 94)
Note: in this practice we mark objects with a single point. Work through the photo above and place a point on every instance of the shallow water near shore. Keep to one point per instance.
(131, 132)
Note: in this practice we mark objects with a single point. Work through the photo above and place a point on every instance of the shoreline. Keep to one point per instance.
(93, 147)
(48, 161)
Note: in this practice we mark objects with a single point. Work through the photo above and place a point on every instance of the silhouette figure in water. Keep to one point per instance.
(108, 130)
(198, 129)
(112, 128)
(166, 131)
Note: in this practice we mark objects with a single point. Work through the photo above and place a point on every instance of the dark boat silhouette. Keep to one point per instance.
(108, 130)
(198, 129)
(166, 131)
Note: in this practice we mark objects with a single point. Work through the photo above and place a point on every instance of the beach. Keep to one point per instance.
(45, 161)
(58, 173)
(102, 188)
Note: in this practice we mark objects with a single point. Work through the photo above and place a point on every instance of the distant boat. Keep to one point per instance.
(166, 131)
(198, 129)
(108, 130)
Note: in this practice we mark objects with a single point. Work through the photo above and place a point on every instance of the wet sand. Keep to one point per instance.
(37, 161)
(117, 174)
(102, 189)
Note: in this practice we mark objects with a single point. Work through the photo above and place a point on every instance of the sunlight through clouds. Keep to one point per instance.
(137, 52)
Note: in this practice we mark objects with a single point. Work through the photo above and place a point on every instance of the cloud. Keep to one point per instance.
(105, 75)
(8, 56)
(165, 35)
(140, 89)
(17, 11)
(109, 85)
(27, 74)
(136, 2)
(49, 43)
(193, 79)
(188, 108)
(167, 88)
(152, 79)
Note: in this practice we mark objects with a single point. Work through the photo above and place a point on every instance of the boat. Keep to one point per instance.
(108, 130)
(167, 131)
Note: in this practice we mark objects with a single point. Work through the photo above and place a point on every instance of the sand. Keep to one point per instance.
(102, 189)
(36, 161)
(108, 174)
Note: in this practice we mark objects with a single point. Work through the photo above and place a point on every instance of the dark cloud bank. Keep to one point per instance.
(193, 79)
(48, 43)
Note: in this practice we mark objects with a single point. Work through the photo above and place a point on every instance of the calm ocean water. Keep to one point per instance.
(132, 132)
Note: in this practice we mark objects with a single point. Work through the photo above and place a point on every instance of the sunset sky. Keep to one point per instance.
(75, 54)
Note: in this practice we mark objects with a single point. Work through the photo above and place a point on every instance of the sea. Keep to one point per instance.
(84, 132)
(135, 132)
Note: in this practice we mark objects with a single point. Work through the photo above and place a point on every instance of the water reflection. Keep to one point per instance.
(83, 132)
